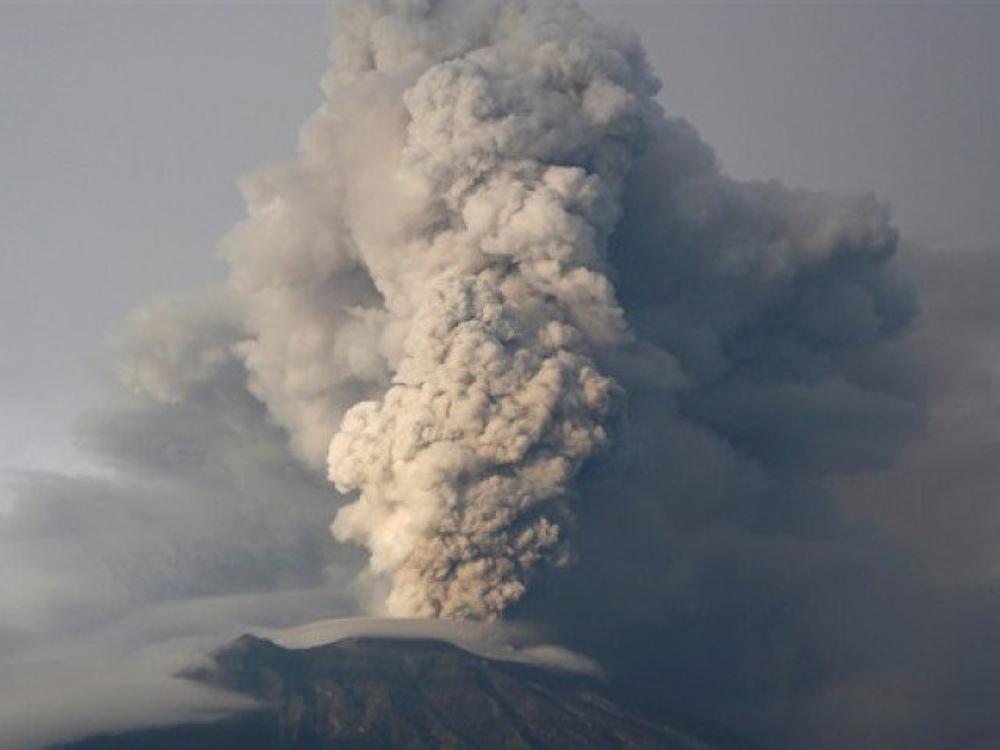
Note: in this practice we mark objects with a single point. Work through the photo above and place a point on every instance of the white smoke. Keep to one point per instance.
(443, 235)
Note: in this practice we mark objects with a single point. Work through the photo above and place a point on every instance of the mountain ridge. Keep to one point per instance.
(365, 692)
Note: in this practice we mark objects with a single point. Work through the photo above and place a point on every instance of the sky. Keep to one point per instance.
(817, 522)
(124, 133)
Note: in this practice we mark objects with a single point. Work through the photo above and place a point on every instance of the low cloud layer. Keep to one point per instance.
(197, 525)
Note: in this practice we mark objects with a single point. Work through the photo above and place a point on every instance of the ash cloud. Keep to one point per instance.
(440, 245)
(490, 217)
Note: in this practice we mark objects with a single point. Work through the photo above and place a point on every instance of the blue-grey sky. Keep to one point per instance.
(125, 125)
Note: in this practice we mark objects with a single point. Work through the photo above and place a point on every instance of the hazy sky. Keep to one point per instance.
(125, 125)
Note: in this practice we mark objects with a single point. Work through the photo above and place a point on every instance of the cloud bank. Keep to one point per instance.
(197, 525)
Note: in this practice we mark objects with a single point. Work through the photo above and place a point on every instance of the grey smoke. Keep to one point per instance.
(441, 245)
(443, 233)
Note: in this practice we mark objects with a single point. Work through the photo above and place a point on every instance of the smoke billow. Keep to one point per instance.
(429, 300)
(441, 246)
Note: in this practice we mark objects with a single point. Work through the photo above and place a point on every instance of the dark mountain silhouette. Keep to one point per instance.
(387, 693)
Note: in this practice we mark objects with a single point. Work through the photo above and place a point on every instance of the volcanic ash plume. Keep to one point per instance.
(514, 152)
(438, 251)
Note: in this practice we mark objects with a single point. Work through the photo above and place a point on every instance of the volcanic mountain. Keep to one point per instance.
(399, 693)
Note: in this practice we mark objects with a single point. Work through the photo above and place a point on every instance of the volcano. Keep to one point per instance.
(401, 693)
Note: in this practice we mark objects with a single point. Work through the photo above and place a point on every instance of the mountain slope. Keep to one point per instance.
(378, 693)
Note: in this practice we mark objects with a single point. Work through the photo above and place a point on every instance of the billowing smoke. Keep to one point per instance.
(444, 234)
(431, 307)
